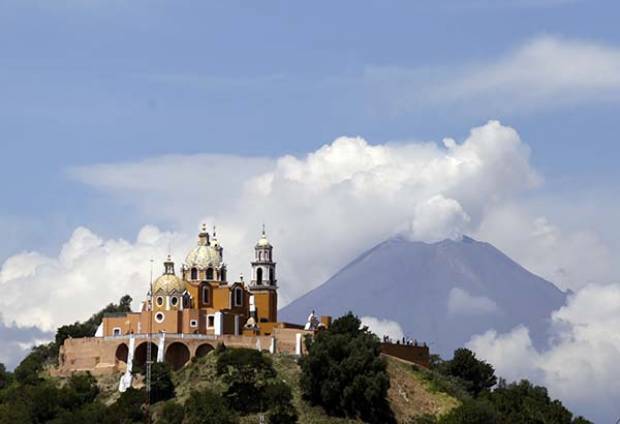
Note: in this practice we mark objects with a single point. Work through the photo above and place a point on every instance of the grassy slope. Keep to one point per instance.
(410, 393)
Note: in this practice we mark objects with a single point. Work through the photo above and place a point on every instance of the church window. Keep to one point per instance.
(259, 276)
(209, 273)
(210, 321)
(116, 331)
(205, 294)
(193, 323)
(159, 317)
(159, 301)
(174, 300)
(238, 297)
(271, 279)
(260, 256)
(194, 274)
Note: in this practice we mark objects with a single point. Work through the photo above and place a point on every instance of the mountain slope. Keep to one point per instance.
(441, 293)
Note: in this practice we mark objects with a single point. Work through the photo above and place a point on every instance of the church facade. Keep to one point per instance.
(199, 299)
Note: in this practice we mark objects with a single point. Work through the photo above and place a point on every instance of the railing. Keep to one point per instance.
(182, 336)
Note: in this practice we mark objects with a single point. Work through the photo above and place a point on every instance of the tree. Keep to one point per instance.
(5, 376)
(172, 413)
(246, 372)
(128, 408)
(523, 402)
(208, 407)
(27, 372)
(478, 375)
(83, 386)
(278, 397)
(162, 387)
(471, 412)
(343, 372)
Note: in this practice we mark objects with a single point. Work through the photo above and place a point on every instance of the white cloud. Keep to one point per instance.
(545, 72)
(46, 292)
(581, 365)
(437, 219)
(462, 303)
(323, 209)
(571, 259)
(383, 327)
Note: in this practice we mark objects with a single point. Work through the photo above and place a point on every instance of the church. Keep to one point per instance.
(199, 299)
(188, 311)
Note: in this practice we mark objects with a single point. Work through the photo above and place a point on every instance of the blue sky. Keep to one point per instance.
(125, 123)
(87, 81)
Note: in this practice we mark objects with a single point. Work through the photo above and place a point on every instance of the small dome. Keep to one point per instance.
(168, 284)
(263, 241)
(203, 256)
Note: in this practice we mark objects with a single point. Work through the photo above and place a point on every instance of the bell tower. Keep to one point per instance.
(264, 283)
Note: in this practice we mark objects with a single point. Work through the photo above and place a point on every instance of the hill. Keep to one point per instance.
(411, 394)
(441, 293)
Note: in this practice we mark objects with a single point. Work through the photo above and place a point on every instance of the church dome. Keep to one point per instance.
(263, 241)
(203, 256)
(168, 284)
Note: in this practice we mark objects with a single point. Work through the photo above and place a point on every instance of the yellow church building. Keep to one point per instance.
(188, 311)
(200, 300)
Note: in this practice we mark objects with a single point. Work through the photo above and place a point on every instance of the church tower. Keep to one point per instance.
(264, 283)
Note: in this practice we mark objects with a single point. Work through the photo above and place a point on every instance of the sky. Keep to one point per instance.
(126, 124)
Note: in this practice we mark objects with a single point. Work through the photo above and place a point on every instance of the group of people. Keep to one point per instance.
(404, 341)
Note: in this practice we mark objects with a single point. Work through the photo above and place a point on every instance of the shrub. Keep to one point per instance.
(471, 412)
(172, 413)
(27, 372)
(524, 402)
(208, 407)
(246, 372)
(162, 387)
(5, 377)
(478, 375)
(83, 386)
(282, 414)
(344, 373)
(278, 398)
(128, 408)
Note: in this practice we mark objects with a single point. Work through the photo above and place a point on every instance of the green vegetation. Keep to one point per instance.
(344, 373)
(472, 381)
(162, 387)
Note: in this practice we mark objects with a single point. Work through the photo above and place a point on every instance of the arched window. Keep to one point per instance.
(194, 274)
(238, 296)
(259, 276)
(209, 273)
(271, 276)
(260, 256)
(205, 294)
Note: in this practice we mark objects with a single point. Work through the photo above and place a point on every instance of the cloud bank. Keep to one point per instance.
(580, 367)
(542, 73)
(321, 210)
